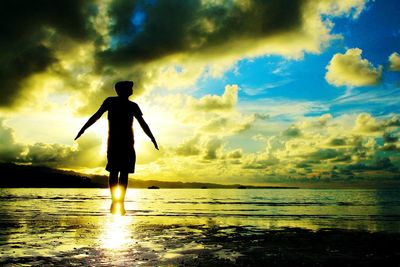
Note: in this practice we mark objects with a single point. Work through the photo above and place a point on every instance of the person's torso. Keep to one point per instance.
(120, 115)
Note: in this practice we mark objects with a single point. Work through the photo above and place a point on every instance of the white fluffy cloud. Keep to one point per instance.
(350, 69)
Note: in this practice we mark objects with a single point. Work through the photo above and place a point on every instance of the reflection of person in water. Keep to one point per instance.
(120, 151)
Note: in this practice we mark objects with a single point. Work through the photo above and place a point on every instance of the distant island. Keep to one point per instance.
(20, 176)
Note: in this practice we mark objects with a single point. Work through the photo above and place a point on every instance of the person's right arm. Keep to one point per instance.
(93, 119)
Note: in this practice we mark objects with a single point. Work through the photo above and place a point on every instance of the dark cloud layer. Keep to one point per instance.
(378, 164)
(292, 132)
(29, 30)
(25, 28)
(176, 26)
(134, 32)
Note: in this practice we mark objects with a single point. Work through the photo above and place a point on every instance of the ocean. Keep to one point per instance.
(362, 209)
(73, 226)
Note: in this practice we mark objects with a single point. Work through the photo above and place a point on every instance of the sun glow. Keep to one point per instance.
(101, 130)
(117, 194)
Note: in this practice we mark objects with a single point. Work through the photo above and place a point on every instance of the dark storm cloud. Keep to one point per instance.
(393, 121)
(141, 31)
(337, 142)
(261, 164)
(389, 138)
(342, 159)
(58, 155)
(292, 132)
(308, 163)
(47, 154)
(25, 29)
(303, 165)
(390, 147)
(323, 154)
(168, 27)
(378, 164)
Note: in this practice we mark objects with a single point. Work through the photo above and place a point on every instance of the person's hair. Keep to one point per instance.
(124, 88)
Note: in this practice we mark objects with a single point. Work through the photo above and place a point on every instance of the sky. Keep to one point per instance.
(237, 91)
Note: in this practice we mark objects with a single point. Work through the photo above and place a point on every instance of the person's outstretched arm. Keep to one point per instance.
(92, 120)
(147, 130)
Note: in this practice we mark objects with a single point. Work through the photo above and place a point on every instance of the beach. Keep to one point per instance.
(196, 227)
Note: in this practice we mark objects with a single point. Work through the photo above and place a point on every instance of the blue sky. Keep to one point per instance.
(376, 31)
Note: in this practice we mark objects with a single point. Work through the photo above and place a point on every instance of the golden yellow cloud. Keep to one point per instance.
(394, 62)
(350, 69)
(365, 123)
(217, 103)
(326, 145)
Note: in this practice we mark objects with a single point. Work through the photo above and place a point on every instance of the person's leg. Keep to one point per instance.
(113, 183)
(123, 184)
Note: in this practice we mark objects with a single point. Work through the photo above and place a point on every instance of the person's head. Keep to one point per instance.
(124, 88)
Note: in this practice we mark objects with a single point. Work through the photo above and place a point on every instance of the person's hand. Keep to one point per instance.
(155, 143)
(79, 134)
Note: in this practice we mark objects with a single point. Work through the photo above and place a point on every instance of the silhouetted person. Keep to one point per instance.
(121, 155)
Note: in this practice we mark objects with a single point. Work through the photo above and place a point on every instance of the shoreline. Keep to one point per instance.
(208, 245)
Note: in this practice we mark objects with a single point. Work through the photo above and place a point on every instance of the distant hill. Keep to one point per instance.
(13, 175)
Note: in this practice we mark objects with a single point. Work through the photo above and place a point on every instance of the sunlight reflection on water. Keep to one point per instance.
(116, 232)
(373, 210)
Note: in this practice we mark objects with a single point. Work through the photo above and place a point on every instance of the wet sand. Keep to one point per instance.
(74, 243)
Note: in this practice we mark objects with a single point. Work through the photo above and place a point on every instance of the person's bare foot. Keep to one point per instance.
(117, 208)
(113, 207)
(122, 210)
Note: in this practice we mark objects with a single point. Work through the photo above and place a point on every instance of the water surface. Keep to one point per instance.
(55, 222)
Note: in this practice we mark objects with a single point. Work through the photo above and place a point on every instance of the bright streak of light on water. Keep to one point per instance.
(116, 233)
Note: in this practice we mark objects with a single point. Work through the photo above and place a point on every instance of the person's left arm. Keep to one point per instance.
(146, 129)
